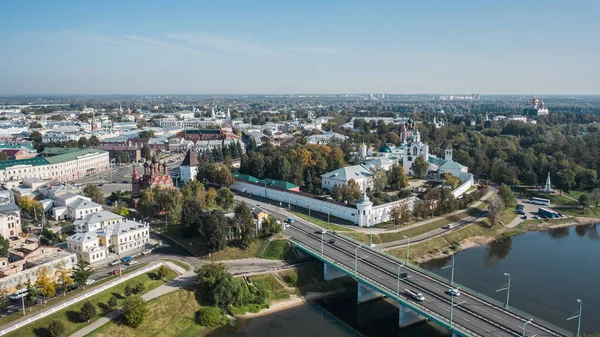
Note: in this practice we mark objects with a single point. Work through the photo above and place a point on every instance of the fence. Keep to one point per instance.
(80, 298)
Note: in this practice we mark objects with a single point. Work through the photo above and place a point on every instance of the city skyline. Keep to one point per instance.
(151, 47)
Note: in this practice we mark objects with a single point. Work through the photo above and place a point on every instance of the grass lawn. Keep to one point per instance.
(362, 237)
(69, 316)
(270, 285)
(279, 250)
(181, 264)
(59, 298)
(430, 246)
(170, 315)
(234, 253)
(309, 278)
(508, 215)
(319, 222)
(575, 194)
(588, 212)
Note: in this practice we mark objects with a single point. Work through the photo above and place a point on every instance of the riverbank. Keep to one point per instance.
(479, 234)
(291, 302)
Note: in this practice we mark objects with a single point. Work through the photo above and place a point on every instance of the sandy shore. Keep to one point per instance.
(291, 302)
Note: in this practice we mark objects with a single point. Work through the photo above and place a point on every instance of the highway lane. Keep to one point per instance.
(476, 315)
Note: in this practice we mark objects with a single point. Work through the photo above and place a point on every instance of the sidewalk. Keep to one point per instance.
(177, 283)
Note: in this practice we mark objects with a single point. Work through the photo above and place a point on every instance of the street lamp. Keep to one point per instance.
(525, 325)
(451, 266)
(578, 316)
(507, 288)
(356, 260)
(407, 248)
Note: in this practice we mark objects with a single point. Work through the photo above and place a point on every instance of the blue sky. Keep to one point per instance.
(310, 46)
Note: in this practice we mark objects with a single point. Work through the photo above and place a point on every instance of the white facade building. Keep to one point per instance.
(341, 176)
(189, 167)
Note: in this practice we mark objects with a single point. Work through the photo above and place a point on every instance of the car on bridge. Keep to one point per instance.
(331, 241)
(321, 231)
(453, 292)
(415, 296)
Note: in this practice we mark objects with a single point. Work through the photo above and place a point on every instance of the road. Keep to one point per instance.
(473, 313)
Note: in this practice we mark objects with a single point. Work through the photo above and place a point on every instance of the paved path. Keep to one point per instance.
(177, 283)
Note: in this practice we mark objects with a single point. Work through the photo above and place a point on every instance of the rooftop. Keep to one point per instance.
(37, 161)
(73, 155)
(348, 172)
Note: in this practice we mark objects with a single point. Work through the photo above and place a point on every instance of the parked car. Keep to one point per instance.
(520, 211)
(520, 206)
(116, 272)
(114, 263)
(147, 251)
(449, 226)
(131, 262)
(524, 217)
(536, 217)
(89, 281)
(126, 259)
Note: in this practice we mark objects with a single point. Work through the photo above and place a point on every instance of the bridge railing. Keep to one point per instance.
(432, 315)
(476, 293)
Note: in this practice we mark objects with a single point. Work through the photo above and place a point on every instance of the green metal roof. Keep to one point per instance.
(435, 161)
(246, 177)
(54, 151)
(385, 149)
(37, 161)
(452, 165)
(280, 184)
(72, 155)
(15, 146)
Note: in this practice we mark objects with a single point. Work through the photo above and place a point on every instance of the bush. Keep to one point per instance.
(210, 317)
(134, 311)
(139, 287)
(88, 310)
(128, 290)
(163, 272)
(112, 301)
(56, 328)
(291, 279)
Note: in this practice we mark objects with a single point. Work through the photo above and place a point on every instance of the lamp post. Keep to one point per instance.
(398, 285)
(356, 260)
(525, 326)
(407, 248)
(578, 316)
(451, 266)
(507, 288)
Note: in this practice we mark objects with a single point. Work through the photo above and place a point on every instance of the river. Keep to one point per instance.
(549, 271)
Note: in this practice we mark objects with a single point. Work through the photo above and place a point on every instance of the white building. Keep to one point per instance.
(413, 151)
(72, 164)
(10, 221)
(73, 206)
(341, 176)
(106, 233)
(189, 167)
(325, 138)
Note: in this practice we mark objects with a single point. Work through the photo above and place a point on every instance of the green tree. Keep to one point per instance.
(420, 167)
(507, 196)
(336, 192)
(4, 246)
(451, 180)
(36, 136)
(584, 200)
(566, 179)
(56, 328)
(94, 192)
(93, 141)
(225, 198)
(146, 153)
(3, 156)
(129, 290)
(163, 272)
(121, 209)
(63, 276)
(243, 217)
(397, 177)
(112, 301)
(379, 177)
(595, 196)
(87, 312)
(82, 142)
(81, 272)
(32, 293)
(210, 317)
(270, 226)
(4, 296)
(221, 175)
(146, 134)
(351, 191)
(139, 287)
(135, 311)
(216, 285)
(495, 209)
(215, 226)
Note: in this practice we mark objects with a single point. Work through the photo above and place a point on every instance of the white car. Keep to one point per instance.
(131, 262)
(453, 292)
(449, 226)
(114, 263)
(147, 251)
(372, 245)
(89, 281)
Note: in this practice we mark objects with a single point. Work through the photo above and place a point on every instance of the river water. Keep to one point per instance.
(549, 271)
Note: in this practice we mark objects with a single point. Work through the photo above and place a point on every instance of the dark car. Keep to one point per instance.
(331, 241)
(403, 275)
(524, 217)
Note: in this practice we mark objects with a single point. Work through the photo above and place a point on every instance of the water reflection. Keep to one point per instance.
(559, 233)
(497, 250)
